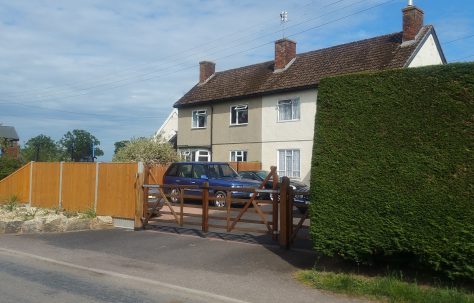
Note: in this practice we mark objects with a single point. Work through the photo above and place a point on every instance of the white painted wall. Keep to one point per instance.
(289, 135)
(169, 128)
(427, 55)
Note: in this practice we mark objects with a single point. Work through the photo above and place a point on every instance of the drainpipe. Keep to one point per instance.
(212, 126)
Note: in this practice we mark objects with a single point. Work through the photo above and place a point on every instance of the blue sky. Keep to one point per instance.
(114, 68)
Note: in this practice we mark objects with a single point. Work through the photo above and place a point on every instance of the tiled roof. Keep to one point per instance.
(8, 132)
(383, 52)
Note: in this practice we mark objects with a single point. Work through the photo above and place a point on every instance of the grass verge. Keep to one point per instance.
(385, 289)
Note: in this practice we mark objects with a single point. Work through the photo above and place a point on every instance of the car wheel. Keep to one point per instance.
(174, 195)
(220, 197)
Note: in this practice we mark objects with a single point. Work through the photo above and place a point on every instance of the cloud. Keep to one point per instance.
(120, 61)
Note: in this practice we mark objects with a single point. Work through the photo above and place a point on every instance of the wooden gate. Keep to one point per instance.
(265, 211)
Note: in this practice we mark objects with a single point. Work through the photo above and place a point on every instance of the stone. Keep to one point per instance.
(78, 224)
(102, 222)
(32, 226)
(13, 227)
(54, 223)
(107, 220)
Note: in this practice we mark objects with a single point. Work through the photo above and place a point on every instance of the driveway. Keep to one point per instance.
(200, 268)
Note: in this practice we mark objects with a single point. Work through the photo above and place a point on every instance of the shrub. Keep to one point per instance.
(8, 165)
(392, 168)
(11, 203)
(146, 150)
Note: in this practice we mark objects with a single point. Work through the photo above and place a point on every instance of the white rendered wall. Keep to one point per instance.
(291, 134)
(169, 127)
(427, 55)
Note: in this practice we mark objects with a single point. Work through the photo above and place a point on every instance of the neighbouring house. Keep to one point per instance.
(266, 112)
(168, 131)
(9, 142)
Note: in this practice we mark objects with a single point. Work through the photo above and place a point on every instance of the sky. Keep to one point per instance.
(115, 68)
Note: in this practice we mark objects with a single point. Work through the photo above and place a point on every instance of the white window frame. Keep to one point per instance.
(292, 101)
(186, 156)
(282, 169)
(199, 112)
(234, 156)
(238, 108)
(201, 153)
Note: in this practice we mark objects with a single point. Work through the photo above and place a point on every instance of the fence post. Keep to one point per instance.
(205, 207)
(284, 236)
(31, 183)
(96, 193)
(275, 203)
(140, 178)
(144, 191)
(60, 202)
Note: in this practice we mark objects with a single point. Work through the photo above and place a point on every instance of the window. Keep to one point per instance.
(222, 171)
(184, 171)
(198, 171)
(173, 170)
(289, 110)
(238, 156)
(239, 114)
(289, 163)
(202, 156)
(199, 118)
(186, 156)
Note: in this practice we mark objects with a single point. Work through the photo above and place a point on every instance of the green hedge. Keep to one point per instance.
(392, 173)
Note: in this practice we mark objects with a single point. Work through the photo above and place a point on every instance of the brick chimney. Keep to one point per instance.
(285, 51)
(206, 70)
(412, 21)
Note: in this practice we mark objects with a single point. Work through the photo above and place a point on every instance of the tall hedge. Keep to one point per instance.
(392, 168)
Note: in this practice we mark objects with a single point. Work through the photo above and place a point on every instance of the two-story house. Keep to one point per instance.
(266, 112)
(9, 142)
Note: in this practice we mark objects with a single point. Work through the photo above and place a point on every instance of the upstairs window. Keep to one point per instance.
(239, 114)
(238, 156)
(289, 110)
(199, 118)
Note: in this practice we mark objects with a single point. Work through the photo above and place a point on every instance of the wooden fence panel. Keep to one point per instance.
(157, 171)
(117, 192)
(242, 166)
(17, 184)
(45, 184)
(78, 186)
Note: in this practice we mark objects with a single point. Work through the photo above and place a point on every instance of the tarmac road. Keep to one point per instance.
(150, 266)
(25, 279)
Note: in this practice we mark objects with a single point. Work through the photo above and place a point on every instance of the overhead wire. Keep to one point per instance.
(209, 45)
(232, 54)
(129, 80)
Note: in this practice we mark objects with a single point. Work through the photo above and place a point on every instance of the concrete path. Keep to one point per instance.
(221, 271)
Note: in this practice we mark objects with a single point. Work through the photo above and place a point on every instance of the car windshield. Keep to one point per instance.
(222, 171)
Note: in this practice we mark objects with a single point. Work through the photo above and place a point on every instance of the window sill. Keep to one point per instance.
(285, 121)
(194, 128)
(237, 125)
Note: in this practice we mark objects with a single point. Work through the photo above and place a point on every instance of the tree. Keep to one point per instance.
(146, 150)
(8, 165)
(79, 145)
(120, 144)
(42, 148)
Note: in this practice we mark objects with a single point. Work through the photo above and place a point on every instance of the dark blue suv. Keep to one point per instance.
(219, 174)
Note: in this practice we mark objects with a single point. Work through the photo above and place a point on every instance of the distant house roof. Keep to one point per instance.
(8, 132)
(379, 53)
